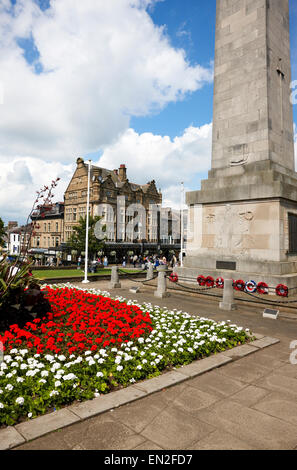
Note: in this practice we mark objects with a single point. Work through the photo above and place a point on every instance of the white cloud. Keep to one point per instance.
(103, 62)
(22, 177)
(148, 156)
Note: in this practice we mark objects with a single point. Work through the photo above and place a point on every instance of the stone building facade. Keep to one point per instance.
(116, 199)
(49, 231)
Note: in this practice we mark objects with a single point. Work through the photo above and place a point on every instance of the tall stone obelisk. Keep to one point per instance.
(243, 221)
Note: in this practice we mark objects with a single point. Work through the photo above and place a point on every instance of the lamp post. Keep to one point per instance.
(181, 225)
(85, 281)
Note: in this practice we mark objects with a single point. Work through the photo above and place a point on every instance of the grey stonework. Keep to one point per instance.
(252, 186)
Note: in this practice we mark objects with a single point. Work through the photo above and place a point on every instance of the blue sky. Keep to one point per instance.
(190, 24)
(87, 79)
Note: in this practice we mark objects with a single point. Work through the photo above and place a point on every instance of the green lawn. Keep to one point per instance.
(67, 273)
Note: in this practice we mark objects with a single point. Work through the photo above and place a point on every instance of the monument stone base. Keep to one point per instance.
(238, 225)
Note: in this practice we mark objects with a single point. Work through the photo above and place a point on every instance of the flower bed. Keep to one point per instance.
(91, 344)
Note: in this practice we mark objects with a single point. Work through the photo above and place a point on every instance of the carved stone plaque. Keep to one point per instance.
(229, 265)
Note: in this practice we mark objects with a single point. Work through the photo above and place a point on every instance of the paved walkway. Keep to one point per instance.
(247, 404)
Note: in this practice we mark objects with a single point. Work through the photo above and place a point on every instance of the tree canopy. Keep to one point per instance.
(77, 240)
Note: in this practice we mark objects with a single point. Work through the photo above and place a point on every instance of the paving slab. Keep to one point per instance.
(259, 430)
(289, 370)
(192, 399)
(279, 383)
(241, 351)
(280, 406)
(148, 445)
(162, 381)
(176, 429)
(217, 384)
(139, 414)
(265, 342)
(220, 440)
(44, 424)
(204, 365)
(245, 372)
(10, 437)
(250, 395)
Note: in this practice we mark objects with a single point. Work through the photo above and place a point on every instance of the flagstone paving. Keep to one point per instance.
(250, 403)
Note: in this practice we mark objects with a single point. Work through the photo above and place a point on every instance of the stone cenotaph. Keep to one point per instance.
(242, 224)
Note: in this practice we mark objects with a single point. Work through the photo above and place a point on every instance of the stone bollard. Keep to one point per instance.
(114, 282)
(228, 296)
(150, 272)
(161, 291)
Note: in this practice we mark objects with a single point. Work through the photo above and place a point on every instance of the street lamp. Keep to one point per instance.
(86, 281)
(181, 225)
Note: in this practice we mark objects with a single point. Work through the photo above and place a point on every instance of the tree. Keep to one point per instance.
(2, 233)
(77, 240)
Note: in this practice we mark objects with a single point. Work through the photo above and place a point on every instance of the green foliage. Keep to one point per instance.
(78, 238)
(14, 278)
(2, 232)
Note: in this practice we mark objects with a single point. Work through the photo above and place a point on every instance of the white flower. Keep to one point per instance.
(1, 405)
(49, 358)
(69, 377)
(119, 368)
(139, 367)
(9, 387)
(20, 379)
(54, 392)
(44, 373)
(20, 401)
(57, 383)
(99, 374)
(62, 358)
(29, 415)
(42, 381)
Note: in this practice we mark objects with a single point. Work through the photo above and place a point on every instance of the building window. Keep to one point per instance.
(292, 233)
(57, 226)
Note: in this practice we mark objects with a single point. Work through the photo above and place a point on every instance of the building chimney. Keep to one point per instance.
(80, 162)
(123, 173)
